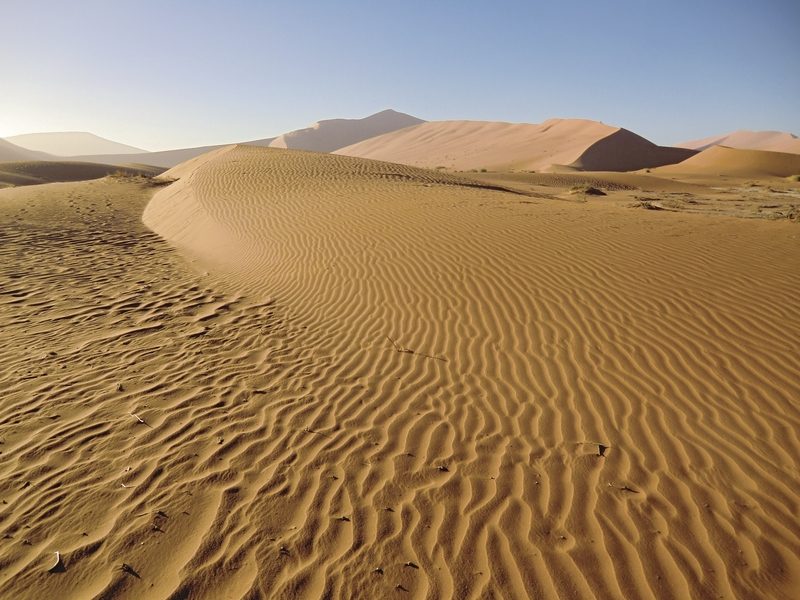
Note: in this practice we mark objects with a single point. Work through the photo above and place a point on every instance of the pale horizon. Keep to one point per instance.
(517, 319)
(127, 73)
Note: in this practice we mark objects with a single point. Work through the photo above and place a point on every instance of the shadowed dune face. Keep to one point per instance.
(451, 392)
(465, 145)
(734, 162)
(628, 152)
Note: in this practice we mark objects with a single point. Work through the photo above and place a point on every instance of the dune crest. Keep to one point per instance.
(11, 152)
(734, 162)
(774, 141)
(500, 393)
(332, 134)
(573, 143)
(359, 379)
(71, 143)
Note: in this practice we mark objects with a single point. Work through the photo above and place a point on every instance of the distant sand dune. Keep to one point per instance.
(774, 141)
(719, 160)
(576, 143)
(324, 136)
(332, 134)
(71, 143)
(12, 152)
(366, 380)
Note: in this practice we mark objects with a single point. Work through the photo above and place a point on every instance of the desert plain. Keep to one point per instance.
(403, 359)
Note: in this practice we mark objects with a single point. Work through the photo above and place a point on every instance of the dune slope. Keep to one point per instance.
(774, 141)
(12, 152)
(361, 380)
(734, 162)
(576, 143)
(71, 143)
(332, 134)
(38, 172)
(471, 353)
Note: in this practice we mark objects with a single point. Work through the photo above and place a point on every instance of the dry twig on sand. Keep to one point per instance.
(404, 350)
(399, 348)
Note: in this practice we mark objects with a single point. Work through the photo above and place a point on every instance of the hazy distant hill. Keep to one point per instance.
(9, 151)
(321, 137)
(71, 143)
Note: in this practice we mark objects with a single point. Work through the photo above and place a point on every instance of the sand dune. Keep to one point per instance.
(38, 172)
(576, 143)
(164, 158)
(360, 380)
(774, 141)
(332, 134)
(71, 143)
(324, 136)
(12, 152)
(732, 162)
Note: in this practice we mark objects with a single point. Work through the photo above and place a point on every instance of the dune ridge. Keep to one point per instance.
(774, 141)
(332, 134)
(360, 379)
(735, 162)
(71, 143)
(39, 172)
(575, 143)
(11, 152)
(461, 379)
(322, 137)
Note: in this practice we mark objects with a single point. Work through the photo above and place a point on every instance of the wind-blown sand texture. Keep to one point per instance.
(576, 143)
(375, 380)
(774, 141)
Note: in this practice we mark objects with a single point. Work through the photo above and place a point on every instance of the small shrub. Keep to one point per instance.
(586, 190)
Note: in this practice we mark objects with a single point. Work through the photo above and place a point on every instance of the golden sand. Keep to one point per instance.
(308, 375)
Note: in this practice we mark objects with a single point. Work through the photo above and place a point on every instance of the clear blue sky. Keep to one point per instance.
(173, 73)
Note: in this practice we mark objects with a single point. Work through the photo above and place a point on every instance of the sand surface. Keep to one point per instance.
(317, 376)
(774, 141)
(477, 145)
(734, 162)
(332, 134)
(323, 136)
(38, 172)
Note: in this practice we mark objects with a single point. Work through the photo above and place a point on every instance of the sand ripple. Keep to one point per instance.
(399, 384)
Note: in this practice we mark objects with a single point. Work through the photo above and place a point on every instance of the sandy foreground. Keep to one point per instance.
(299, 375)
